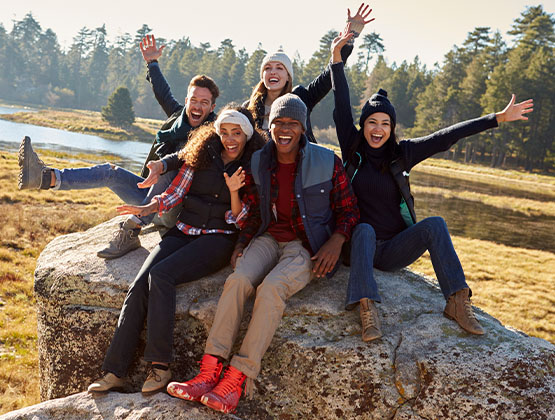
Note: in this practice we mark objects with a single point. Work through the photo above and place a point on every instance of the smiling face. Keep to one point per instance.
(286, 133)
(233, 139)
(274, 76)
(377, 129)
(199, 105)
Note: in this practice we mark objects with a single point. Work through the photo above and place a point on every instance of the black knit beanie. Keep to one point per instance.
(378, 102)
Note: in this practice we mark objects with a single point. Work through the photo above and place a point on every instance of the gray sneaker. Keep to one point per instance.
(33, 173)
(124, 240)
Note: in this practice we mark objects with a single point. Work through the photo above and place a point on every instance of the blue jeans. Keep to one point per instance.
(119, 180)
(400, 251)
(177, 259)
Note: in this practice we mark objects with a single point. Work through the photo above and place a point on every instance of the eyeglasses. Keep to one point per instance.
(292, 125)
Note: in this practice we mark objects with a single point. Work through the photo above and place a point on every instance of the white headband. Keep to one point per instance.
(234, 117)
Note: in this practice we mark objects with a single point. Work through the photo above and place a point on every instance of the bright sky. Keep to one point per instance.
(427, 28)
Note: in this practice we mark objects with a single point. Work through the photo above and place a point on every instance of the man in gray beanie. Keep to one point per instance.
(301, 211)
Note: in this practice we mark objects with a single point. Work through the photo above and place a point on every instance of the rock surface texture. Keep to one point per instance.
(317, 367)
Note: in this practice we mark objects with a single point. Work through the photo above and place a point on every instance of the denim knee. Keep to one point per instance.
(435, 226)
(363, 232)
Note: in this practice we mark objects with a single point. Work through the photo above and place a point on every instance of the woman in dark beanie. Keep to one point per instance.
(389, 237)
(276, 78)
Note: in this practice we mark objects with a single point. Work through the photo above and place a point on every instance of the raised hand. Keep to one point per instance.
(514, 112)
(149, 50)
(155, 168)
(235, 181)
(138, 211)
(359, 19)
(339, 41)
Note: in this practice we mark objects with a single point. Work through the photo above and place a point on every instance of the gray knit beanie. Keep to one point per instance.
(290, 106)
(378, 102)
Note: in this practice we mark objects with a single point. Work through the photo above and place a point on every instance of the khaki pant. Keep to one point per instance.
(277, 270)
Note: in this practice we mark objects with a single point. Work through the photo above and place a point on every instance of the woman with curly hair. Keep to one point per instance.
(202, 241)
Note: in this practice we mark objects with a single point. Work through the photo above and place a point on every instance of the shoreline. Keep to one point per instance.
(85, 122)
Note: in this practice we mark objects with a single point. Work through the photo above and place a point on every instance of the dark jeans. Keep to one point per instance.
(403, 249)
(177, 259)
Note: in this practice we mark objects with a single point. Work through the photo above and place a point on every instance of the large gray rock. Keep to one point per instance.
(425, 366)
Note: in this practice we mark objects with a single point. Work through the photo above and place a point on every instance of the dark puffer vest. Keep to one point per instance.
(208, 198)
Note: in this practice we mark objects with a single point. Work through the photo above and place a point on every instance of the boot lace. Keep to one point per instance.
(118, 237)
(468, 310)
(153, 375)
(207, 373)
(367, 318)
(231, 381)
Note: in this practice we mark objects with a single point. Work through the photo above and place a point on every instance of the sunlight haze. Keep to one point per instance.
(427, 28)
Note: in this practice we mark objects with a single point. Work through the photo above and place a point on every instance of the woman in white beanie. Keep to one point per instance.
(276, 79)
(201, 243)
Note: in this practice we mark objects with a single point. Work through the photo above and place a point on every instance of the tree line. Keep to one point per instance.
(475, 78)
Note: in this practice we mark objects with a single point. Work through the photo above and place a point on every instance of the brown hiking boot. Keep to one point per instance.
(371, 329)
(157, 379)
(33, 173)
(458, 308)
(108, 382)
(126, 239)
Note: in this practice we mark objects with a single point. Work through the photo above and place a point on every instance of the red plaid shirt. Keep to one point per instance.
(342, 202)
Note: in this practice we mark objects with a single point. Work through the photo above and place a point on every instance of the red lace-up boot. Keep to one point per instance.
(205, 381)
(225, 396)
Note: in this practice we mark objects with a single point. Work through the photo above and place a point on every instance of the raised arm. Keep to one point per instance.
(321, 85)
(162, 92)
(347, 133)
(416, 150)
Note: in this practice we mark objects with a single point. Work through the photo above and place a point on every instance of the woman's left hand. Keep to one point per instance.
(138, 211)
(235, 181)
(514, 112)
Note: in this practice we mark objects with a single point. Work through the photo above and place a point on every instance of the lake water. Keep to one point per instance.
(464, 217)
(132, 153)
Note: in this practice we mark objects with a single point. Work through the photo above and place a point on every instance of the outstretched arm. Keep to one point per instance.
(417, 150)
(162, 92)
(138, 211)
(514, 112)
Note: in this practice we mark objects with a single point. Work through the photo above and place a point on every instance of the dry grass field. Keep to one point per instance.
(515, 285)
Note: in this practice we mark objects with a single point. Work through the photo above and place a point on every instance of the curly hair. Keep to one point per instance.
(195, 152)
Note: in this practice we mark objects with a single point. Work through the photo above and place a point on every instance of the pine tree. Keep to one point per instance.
(119, 110)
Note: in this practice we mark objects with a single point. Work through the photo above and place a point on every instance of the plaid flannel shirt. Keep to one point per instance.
(174, 195)
(342, 201)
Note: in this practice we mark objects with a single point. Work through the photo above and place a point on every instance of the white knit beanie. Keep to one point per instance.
(280, 57)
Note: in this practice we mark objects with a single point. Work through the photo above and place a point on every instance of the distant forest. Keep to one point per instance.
(476, 78)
